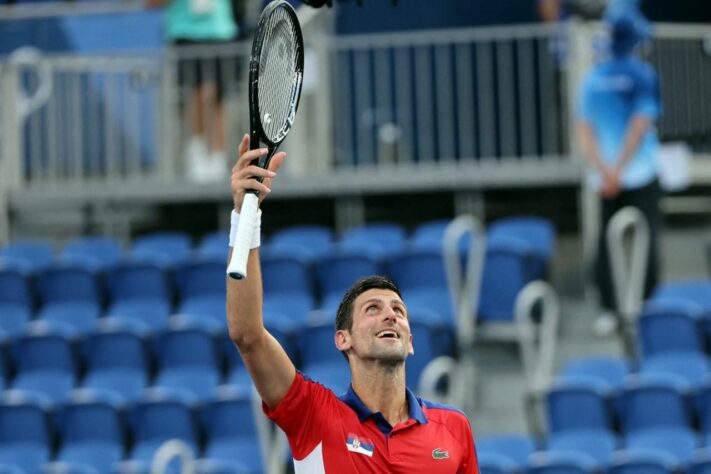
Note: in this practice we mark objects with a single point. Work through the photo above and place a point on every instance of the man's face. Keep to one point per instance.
(380, 328)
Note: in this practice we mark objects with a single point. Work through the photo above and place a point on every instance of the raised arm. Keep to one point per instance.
(268, 364)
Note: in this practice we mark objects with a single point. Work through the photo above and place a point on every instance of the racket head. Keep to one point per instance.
(275, 76)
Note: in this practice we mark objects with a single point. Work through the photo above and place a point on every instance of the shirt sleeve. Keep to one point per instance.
(470, 464)
(301, 414)
(647, 96)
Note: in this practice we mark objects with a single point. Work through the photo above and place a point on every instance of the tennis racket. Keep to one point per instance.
(276, 69)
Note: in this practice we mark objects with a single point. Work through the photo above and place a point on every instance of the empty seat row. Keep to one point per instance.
(90, 434)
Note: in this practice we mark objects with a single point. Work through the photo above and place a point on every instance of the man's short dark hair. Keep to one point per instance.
(344, 315)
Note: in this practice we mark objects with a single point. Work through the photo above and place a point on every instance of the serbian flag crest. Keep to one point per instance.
(358, 444)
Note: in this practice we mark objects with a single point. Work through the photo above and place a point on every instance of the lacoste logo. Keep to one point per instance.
(437, 453)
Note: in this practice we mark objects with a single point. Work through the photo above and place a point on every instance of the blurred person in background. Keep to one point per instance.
(618, 107)
(194, 23)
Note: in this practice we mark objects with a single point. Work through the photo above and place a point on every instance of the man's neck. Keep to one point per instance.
(382, 390)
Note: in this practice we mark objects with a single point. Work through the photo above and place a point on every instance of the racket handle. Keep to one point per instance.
(237, 268)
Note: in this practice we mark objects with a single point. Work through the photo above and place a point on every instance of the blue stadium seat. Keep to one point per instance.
(696, 291)
(215, 244)
(377, 238)
(506, 272)
(139, 295)
(337, 271)
(187, 364)
(116, 364)
(16, 300)
(320, 359)
(425, 350)
(703, 408)
(517, 448)
(154, 420)
(32, 255)
(97, 252)
(166, 248)
(71, 298)
(231, 433)
(288, 287)
(643, 461)
(25, 436)
(421, 277)
(538, 232)
(91, 433)
(655, 415)
(671, 341)
(202, 293)
(308, 241)
(579, 419)
(429, 235)
(45, 365)
(561, 462)
(607, 371)
(490, 463)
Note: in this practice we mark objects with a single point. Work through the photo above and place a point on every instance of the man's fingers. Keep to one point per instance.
(243, 145)
(252, 171)
(276, 161)
(254, 184)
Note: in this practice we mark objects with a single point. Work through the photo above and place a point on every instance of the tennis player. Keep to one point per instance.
(379, 425)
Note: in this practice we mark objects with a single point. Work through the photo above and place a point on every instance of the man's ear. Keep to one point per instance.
(342, 338)
(411, 349)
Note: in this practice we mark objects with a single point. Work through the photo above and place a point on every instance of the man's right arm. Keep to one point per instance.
(268, 364)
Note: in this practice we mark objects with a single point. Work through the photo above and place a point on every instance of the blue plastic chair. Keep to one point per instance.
(139, 295)
(610, 372)
(45, 365)
(671, 341)
(376, 238)
(25, 436)
(506, 272)
(187, 364)
(310, 242)
(561, 462)
(656, 415)
(202, 292)
(579, 419)
(117, 364)
(517, 448)
(33, 255)
(231, 433)
(288, 287)
(320, 359)
(154, 420)
(538, 232)
(91, 433)
(695, 291)
(16, 301)
(643, 461)
(71, 298)
(214, 244)
(94, 251)
(164, 248)
(337, 271)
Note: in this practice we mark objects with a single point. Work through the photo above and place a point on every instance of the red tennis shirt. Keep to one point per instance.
(339, 435)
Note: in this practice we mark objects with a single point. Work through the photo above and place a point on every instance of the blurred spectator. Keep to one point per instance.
(619, 105)
(194, 23)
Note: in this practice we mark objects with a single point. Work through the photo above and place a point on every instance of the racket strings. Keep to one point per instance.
(279, 78)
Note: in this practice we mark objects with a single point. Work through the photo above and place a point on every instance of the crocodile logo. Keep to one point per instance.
(437, 453)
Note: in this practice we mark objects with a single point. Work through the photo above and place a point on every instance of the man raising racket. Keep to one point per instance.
(378, 425)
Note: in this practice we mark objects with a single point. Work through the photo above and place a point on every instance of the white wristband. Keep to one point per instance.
(256, 237)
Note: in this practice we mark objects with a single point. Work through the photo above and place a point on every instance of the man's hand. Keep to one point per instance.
(243, 173)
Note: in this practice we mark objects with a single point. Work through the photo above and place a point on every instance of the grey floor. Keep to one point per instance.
(500, 390)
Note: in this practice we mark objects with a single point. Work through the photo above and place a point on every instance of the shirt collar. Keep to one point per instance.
(352, 399)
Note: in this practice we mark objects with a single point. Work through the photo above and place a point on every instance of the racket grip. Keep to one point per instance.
(237, 268)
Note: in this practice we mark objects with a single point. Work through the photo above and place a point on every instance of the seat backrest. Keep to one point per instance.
(282, 273)
(609, 370)
(114, 348)
(163, 247)
(183, 347)
(653, 404)
(15, 287)
(666, 328)
(103, 251)
(155, 420)
(23, 421)
(315, 240)
(418, 268)
(68, 282)
(575, 406)
(43, 351)
(337, 271)
(383, 237)
(229, 417)
(201, 276)
(33, 254)
(90, 421)
(316, 344)
(516, 447)
(129, 280)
